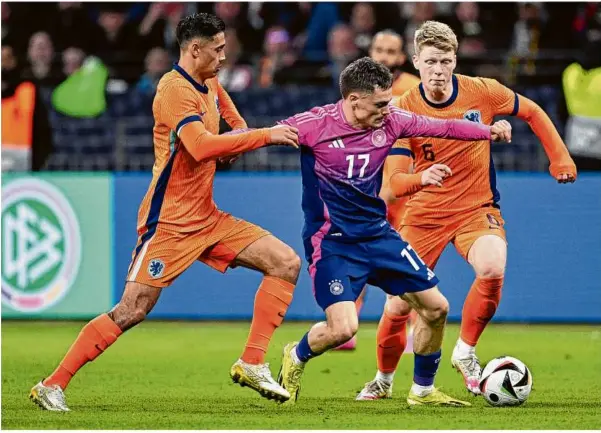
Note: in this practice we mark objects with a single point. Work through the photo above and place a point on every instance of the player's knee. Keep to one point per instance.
(288, 265)
(126, 317)
(491, 269)
(395, 306)
(436, 313)
(344, 332)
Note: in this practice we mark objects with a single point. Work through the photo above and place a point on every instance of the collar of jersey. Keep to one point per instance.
(442, 104)
(196, 84)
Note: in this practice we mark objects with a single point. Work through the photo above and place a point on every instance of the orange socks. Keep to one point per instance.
(391, 341)
(93, 339)
(479, 307)
(271, 303)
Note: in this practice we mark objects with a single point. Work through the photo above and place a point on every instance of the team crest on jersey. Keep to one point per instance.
(156, 268)
(378, 138)
(336, 287)
(473, 116)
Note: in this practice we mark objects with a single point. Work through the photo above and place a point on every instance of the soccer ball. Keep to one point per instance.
(506, 381)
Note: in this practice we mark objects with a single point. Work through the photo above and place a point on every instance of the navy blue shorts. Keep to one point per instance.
(340, 270)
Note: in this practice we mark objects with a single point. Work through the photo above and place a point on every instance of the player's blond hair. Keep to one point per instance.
(435, 34)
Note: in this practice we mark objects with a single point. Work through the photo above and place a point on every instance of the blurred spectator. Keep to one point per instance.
(470, 31)
(158, 28)
(324, 16)
(118, 43)
(278, 55)
(423, 11)
(235, 73)
(72, 60)
(157, 63)
(42, 69)
(587, 31)
(341, 49)
(10, 74)
(363, 23)
(69, 26)
(387, 48)
(235, 16)
(26, 134)
(14, 30)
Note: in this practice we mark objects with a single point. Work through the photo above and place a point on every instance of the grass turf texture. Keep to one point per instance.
(175, 376)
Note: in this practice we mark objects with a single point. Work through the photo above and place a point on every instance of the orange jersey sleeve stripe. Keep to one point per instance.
(399, 151)
(184, 122)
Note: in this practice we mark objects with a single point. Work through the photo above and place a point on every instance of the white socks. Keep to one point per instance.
(385, 377)
(421, 391)
(295, 356)
(463, 350)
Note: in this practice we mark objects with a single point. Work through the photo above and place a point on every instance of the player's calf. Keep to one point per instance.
(95, 337)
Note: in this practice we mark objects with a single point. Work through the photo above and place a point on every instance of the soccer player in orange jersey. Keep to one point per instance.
(387, 48)
(454, 197)
(179, 223)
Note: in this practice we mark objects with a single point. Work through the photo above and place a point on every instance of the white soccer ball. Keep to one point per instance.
(506, 381)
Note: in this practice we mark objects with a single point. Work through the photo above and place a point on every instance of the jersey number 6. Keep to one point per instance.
(428, 152)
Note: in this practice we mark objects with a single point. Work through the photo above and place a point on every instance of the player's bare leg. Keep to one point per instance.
(391, 342)
(281, 266)
(352, 343)
(432, 308)
(488, 256)
(340, 326)
(95, 337)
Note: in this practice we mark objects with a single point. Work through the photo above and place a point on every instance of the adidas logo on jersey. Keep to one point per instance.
(337, 144)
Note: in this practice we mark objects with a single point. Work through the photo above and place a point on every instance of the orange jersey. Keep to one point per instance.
(473, 183)
(180, 195)
(403, 83)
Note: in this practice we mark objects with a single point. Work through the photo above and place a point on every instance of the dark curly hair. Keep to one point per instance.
(200, 25)
(364, 75)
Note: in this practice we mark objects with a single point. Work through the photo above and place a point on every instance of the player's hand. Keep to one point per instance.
(501, 131)
(566, 178)
(284, 134)
(435, 174)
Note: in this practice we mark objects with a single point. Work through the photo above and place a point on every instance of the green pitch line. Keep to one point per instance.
(175, 376)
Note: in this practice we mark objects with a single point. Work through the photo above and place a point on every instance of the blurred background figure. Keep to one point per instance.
(342, 49)
(42, 68)
(236, 73)
(363, 23)
(72, 60)
(157, 63)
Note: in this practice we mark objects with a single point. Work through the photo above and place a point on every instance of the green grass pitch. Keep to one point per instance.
(175, 376)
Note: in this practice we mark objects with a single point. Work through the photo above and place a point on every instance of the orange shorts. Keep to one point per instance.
(430, 241)
(159, 259)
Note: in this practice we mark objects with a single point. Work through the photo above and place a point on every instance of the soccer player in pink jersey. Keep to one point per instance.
(347, 238)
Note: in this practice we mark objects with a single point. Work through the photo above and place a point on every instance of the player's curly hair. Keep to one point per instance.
(200, 25)
(364, 75)
(435, 34)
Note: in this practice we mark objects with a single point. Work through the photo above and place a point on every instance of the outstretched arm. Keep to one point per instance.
(505, 101)
(415, 125)
(203, 145)
(562, 166)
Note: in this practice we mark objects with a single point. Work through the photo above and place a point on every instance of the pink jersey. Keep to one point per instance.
(342, 166)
